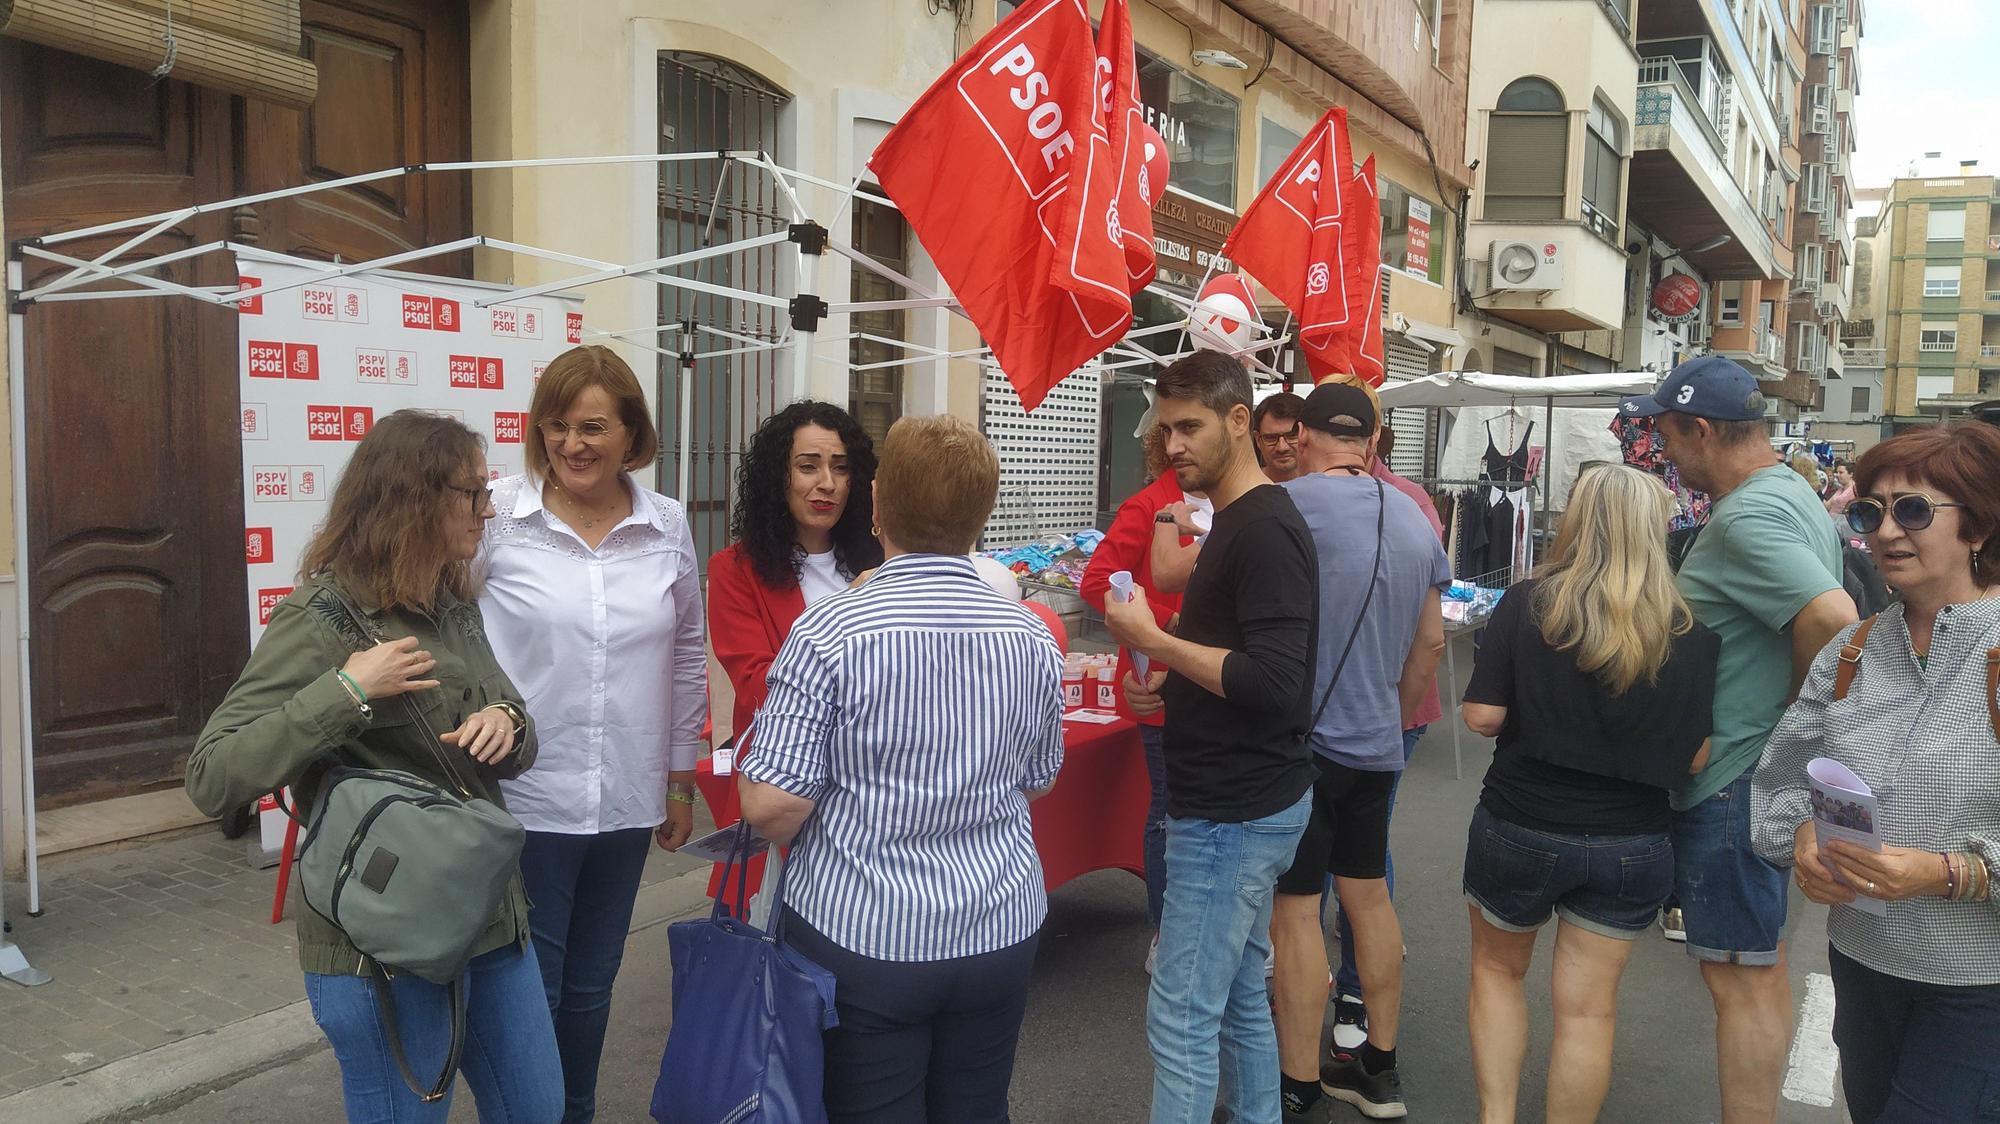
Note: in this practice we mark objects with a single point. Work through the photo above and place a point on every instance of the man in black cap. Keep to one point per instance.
(1381, 569)
(1765, 576)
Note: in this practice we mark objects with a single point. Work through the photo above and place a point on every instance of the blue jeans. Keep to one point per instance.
(1732, 901)
(1348, 981)
(581, 888)
(510, 1049)
(1913, 1052)
(1208, 1017)
(1156, 822)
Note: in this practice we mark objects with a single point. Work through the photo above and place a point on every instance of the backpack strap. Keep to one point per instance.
(1850, 660)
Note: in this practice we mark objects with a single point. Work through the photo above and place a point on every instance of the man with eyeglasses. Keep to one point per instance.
(1277, 422)
(1765, 576)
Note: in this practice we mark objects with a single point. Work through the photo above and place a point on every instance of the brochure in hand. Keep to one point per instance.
(1844, 808)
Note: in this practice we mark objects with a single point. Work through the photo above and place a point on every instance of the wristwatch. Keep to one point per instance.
(1164, 517)
(513, 713)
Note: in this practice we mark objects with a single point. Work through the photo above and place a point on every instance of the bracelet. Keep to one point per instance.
(512, 712)
(683, 797)
(1950, 879)
(360, 696)
(354, 695)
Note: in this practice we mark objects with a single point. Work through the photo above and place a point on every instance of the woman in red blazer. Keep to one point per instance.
(801, 523)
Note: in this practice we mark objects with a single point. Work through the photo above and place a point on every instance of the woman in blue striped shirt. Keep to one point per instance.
(909, 723)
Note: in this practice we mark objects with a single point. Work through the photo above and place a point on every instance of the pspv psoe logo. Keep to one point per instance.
(338, 423)
(508, 426)
(573, 327)
(477, 372)
(269, 359)
(380, 365)
(335, 303)
(430, 314)
(255, 305)
(257, 546)
(256, 421)
(267, 600)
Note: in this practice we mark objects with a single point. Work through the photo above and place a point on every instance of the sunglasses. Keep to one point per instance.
(1913, 511)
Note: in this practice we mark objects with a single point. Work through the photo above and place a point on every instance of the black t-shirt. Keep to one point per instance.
(1253, 592)
(1572, 757)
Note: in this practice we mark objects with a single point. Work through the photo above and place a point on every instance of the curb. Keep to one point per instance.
(167, 1077)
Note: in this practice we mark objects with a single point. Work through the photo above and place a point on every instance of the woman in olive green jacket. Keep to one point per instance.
(322, 689)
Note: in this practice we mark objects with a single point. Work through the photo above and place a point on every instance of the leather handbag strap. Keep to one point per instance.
(1993, 689)
(1850, 660)
(385, 1002)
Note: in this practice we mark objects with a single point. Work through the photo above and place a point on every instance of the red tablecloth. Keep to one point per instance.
(1094, 819)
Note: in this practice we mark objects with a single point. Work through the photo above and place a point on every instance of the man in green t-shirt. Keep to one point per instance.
(1764, 575)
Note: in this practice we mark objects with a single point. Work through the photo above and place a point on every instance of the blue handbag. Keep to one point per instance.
(749, 1013)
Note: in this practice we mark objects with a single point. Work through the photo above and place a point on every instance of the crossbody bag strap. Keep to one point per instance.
(385, 1002)
(1374, 574)
(1850, 660)
(430, 736)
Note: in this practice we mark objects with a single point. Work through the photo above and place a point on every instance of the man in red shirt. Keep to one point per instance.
(1128, 545)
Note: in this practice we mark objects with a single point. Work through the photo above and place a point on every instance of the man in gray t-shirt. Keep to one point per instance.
(1384, 646)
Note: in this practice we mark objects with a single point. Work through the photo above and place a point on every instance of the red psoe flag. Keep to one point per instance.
(982, 166)
(1135, 153)
(1312, 237)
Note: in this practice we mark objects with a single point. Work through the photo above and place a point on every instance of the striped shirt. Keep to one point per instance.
(917, 712)
(1918, 734)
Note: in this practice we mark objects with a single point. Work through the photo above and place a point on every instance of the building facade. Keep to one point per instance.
(1938, 292)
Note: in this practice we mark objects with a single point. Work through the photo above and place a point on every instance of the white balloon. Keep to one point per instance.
(1221, 322)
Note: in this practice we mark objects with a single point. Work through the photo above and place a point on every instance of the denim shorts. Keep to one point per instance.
(1732, 901)
(1611, 885)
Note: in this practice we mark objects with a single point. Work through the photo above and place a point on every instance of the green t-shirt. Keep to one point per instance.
(1767, 551)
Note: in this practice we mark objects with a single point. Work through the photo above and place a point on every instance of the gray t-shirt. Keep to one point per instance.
(1363, 723)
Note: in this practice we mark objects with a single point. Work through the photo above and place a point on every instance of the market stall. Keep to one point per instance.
(1567, 449)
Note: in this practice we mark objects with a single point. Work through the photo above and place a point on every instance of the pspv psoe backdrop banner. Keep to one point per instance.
(321, 361)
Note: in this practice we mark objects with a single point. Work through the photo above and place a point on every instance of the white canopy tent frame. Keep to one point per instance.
(90, 279)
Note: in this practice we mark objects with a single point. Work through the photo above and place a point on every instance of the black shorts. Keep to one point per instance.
(1347, 834)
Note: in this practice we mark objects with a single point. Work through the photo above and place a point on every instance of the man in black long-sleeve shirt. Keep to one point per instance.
(1238, 767)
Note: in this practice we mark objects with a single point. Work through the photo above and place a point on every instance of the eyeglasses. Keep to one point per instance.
(1913, 511)
(556, 429)
(1270, 440)
(480, 496)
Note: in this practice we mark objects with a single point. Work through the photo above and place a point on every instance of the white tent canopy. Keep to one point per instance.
(1477, 388)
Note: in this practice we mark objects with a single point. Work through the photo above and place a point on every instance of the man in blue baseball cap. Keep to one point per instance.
(1764, 575)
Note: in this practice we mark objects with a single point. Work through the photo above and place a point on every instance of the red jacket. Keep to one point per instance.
(747, 623)
(1128, 545)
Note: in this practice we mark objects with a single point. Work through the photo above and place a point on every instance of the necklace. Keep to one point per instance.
(580, 513)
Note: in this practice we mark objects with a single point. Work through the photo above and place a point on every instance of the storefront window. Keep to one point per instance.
(1274, 143)
(1414, 233)
(1199, 124)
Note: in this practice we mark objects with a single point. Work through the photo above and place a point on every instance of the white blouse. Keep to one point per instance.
(606, 646)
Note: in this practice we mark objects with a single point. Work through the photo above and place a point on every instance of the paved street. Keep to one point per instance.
(1083, 1055)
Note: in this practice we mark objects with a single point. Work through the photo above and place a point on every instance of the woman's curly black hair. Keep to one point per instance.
(762, 520)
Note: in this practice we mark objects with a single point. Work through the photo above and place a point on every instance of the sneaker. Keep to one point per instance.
(1153, 954)
(1350, 1027)
(1379, 1096)
(1321, 1112)
(1672, 925)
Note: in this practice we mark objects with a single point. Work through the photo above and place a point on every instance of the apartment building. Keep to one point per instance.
(1937, 294)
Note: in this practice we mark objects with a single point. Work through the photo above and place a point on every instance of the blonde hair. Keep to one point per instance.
(1807, 468)
(1607, 592)
(936, 484)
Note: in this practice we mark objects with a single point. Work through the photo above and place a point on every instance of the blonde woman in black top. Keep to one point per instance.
(1597, 684)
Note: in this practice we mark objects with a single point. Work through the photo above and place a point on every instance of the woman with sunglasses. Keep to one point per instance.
(1906, 700)
(593, 601)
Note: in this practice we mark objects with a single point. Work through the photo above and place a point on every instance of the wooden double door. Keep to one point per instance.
(134, 474)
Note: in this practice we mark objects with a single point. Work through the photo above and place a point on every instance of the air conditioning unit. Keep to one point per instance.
(1524, 266)
(1827, 310)
(1773, 350)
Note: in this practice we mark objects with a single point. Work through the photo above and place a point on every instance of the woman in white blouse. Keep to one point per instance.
(593, 604)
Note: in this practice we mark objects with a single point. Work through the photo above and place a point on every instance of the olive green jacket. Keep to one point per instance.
(288, 719)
